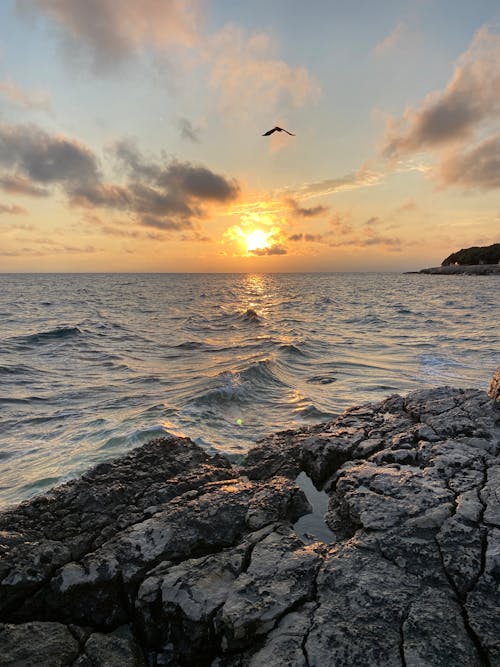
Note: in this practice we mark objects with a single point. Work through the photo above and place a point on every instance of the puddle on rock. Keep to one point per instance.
(312, 527)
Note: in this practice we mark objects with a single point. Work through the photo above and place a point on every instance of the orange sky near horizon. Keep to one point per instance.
(136, 143)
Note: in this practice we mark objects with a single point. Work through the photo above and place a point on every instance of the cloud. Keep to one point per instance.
(477, 167)
(188, 131)
(276, 249)
(181, 178)
(36, 99)
(459, 123)
(165, 224)
(390, 243)
(12, 210)
(310, 238)
(247, 77)
(364, 177)
(407, 206)
(397, 36)
(241, 69)
(165, 194)
(15, 184)
(48, 247)
(45, 158)
(339, 225)
(303, 212)
(108, 32)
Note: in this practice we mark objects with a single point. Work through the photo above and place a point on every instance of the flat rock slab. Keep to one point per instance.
(171, 556)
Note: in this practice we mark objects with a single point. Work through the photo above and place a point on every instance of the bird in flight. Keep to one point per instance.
(277, 129)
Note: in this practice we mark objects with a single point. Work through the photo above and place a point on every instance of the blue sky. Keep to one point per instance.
(394, 106)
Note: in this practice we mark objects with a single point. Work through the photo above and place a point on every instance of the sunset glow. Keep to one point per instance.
(392, 173)
(257, 239)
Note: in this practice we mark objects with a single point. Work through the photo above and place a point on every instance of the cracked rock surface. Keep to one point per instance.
(171, 556)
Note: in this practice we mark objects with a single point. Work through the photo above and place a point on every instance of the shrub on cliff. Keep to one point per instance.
(475, 255)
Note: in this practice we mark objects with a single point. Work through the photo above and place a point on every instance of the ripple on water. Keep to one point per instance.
(225, 359)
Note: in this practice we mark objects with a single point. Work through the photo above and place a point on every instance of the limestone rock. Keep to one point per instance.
(170, 556)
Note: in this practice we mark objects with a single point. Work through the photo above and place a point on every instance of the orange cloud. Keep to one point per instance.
(12, 210)
(393, 39)
(248, 78)
(35, 99)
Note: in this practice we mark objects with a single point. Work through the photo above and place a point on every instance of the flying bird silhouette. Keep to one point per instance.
(277, 129)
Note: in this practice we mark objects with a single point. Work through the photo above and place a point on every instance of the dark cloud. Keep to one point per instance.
(45, 158)
(196, 237)
(436, 123)
(132, 162)
(177, 181)
(304, 212)
(276, 249)
(165, 194)
(101, 195)
(372, 221)
(387, 241)
(460, 123)
(165, 224)
(311, 238)
(199, 182)
(15, 184)
(470, 98)
(188, 131)
(12, 210)
(477, 167)
(393, 244)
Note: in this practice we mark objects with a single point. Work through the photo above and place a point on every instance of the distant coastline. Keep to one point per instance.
(467, 269)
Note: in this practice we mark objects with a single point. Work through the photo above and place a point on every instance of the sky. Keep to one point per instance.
(131, 134)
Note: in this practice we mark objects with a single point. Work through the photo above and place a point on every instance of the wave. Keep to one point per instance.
(321, 379)
(251, 315)
(58, 333)
(191, 345)
(27, 399)
(294, 350)
(244, 386)
(137, 437)
(312, 412)
(18, 369)
(366, 319)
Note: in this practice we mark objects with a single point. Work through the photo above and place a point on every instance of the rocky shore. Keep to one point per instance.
(465, 269)
(171, 556)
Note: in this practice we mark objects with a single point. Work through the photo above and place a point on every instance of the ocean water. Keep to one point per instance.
(92, 365)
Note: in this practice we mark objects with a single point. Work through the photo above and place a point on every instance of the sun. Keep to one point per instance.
(256, 240)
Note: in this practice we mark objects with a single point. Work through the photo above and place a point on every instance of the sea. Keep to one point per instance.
(93, 365)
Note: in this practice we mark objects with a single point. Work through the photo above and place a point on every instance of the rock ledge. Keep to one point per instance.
(170, 556)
